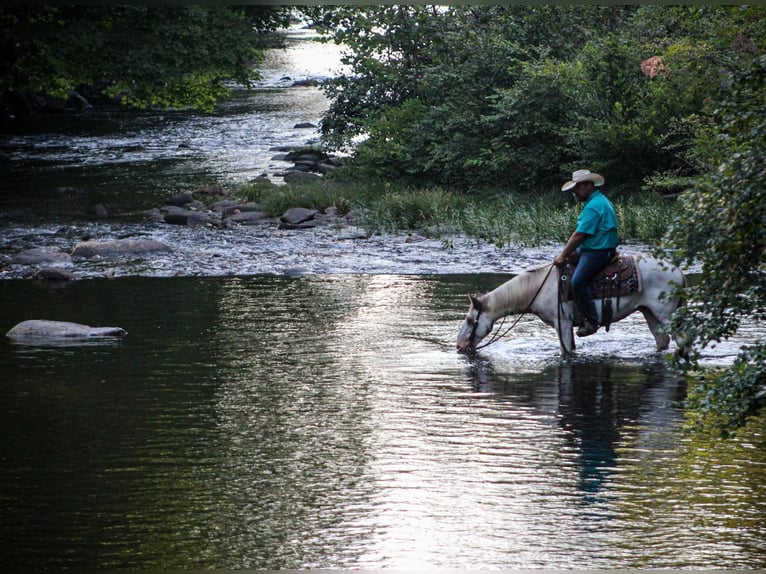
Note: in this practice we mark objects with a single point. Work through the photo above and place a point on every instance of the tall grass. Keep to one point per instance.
(502, 218)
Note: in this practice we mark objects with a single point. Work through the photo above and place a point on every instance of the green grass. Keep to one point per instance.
(502, 218)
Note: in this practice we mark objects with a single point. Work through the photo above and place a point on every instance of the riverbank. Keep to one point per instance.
(326, 227)
(201, 251)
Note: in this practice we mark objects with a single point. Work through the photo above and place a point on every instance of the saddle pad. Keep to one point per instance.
(620, 277)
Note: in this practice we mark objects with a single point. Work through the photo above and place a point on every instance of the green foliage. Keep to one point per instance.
(430, 210)
(500, 218)
(723, 226)
(474, 96)
(274, 199)
(723, 399)
(148, 55)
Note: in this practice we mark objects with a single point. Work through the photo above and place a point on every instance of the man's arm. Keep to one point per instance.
(576, 238)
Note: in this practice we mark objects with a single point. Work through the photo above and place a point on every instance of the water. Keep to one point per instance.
(132, 160)
(326, 421)
(294, 400)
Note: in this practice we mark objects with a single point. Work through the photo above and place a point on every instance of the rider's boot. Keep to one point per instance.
(587, 329)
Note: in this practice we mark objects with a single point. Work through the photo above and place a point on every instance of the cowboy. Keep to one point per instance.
(595, 239)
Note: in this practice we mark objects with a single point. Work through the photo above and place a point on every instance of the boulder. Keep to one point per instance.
(296, 215)
(212, 190)
(200, 219)
(229, 206)
(179, 216)
(42, 255)
(97, 210)
(295, 176)
(53, 274)
(180, 199)
(246, 217)
(43, 329)
(119, 247)
(76, 101)
(325, 168)
(174, 214)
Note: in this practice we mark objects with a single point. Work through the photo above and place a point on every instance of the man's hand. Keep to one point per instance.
(560, 260)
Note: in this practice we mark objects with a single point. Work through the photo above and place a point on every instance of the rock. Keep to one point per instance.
(42, 329)
(304, 125)
(295, 176)
(154, 215)
(200, 219)
(40, 255)
(297, 215)
(179, 216)
(53, 274)
(75, 101)
(228, 206)
(175, 215)
(119, 247)
(307, 157)
(212, 189)
(246, 217)
(325, 168)
(296, 272)
(304, 165)
(309, 82)
(305, 225)
(181, 199)
(98, 211)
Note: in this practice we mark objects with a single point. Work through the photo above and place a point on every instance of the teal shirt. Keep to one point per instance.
(599, 221)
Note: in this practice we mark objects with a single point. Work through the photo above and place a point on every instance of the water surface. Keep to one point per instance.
(326, 421)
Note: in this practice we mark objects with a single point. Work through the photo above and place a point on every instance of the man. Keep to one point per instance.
(595, 238)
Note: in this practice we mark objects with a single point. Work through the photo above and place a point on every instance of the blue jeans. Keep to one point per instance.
(592, 261)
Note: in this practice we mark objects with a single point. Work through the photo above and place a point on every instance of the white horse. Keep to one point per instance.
(536, 291)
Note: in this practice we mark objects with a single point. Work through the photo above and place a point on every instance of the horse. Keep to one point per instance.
(536, 291)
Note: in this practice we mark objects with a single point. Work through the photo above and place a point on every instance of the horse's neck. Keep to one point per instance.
(515, 295)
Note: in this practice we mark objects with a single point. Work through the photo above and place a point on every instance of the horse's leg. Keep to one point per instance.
(567, 339)
(656, 326)
(565, 329)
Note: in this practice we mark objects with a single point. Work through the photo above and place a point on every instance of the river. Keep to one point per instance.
(255, 418)
(326, 421)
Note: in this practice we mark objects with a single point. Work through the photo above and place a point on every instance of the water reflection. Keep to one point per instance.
(270, 422)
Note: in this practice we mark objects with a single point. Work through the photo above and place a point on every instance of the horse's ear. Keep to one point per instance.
(475, 302)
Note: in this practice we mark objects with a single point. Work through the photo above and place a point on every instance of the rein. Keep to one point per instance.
(499, 334)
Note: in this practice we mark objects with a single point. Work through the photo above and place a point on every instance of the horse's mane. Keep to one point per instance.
(515, 295)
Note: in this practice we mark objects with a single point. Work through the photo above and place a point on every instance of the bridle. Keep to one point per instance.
(499, 333)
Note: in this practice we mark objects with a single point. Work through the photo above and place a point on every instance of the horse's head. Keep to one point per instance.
(476, 326)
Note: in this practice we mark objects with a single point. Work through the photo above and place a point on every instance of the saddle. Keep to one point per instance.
(619, 278)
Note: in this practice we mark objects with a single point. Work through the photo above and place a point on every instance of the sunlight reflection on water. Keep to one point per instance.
(326, 421)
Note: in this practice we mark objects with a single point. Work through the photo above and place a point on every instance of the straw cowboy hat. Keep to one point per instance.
(583, 175)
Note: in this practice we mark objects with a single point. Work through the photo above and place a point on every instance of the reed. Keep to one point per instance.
(501, 218)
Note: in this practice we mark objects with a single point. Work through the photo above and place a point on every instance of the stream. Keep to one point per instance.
(292, 399)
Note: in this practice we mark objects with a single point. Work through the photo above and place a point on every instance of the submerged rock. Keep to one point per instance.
(44, 329)
(53, 274)
(42, 255)
(119, 247)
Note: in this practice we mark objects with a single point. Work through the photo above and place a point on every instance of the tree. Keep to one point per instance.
(148, 55)
(723, 226)
(432, 89)
(513, 95)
